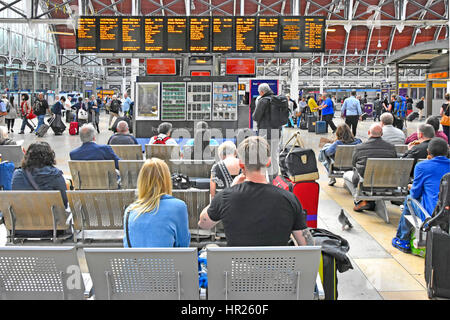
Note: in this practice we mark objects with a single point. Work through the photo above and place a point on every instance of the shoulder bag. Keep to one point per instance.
(445, 120)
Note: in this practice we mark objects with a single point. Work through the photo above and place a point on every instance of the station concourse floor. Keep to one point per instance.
(380, 271)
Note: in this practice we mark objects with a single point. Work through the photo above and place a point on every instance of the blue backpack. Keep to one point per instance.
(6, 174)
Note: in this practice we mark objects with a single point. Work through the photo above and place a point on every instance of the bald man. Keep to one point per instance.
(122, 136)
(374, 147)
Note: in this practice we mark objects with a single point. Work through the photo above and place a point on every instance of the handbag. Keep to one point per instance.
(298, 163)
(180, 181)
(83, 114)
(445, 120)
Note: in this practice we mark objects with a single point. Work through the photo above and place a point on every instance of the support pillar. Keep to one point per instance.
(429, 99)
(135, 11)
(396, 78)
(294, 80)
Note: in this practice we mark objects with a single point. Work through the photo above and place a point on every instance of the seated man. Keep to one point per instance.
(435, 123)
(390, 133)
(163, 137)
(123, 135)
(418, 149)
(374, 147)
(254, 212)
(425, 189)
(90, 150)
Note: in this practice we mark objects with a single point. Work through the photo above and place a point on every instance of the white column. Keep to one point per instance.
(294, 80)
(134, 62)
(123, 89)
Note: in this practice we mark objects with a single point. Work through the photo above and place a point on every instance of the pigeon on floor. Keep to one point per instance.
(344, 220)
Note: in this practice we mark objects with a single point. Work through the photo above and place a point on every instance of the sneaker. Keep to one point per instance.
(21, 132)
(362, 205)
(332, 182)
(402, 245)
(12, 130)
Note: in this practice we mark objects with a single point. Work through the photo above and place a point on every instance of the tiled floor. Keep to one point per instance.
(379, 270)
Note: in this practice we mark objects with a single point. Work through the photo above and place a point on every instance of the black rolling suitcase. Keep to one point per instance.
(414, 115)
(312, 119)
(69, 116)
(437, 267)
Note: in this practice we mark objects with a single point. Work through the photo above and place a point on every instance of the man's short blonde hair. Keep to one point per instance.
(254, 153)
(227, 148)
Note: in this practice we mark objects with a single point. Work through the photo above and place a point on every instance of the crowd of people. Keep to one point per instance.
(75, 109)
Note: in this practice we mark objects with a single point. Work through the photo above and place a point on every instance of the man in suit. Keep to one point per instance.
(90, 150)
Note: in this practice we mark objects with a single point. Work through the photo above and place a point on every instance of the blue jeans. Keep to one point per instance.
(404, 227)
(41, 119)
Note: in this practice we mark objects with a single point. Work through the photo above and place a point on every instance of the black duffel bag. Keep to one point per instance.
(297, 163)
(180, 181)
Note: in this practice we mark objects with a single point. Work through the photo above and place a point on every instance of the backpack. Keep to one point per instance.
(6, 174)
(159, 140)
(279, 111)
(378, 105)
(3, 110)
(115, 106)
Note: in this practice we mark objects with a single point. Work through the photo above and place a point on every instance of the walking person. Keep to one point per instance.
(40, 109)
(94, 113)
(114, 110)
(328, 113)
(26, 113)
(351, 111)
(421, 105)
(12, 110)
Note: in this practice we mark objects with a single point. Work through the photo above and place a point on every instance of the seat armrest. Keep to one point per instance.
(319, 293)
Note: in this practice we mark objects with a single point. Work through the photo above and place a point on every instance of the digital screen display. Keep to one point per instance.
(109, 34)
(131, 34)
(314, 34)
(222, 34)
(153, 34)
(87, 34)
(290, 37)
(176, 33)
(268, 34)
(245, 34)
(199, 36)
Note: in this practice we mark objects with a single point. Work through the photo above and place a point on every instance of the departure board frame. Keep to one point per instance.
(315, 44)
(208, 44)
(117, 42)
(260, 42)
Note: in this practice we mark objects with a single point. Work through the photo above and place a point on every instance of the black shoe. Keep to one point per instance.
(12, 130)
(21, 132)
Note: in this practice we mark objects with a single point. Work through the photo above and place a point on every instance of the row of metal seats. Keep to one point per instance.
(244, 273)
(383, 180)
(102, 175)
(95, 216)
(127, 152)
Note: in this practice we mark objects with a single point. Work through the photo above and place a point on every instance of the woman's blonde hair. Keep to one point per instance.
(153, 182)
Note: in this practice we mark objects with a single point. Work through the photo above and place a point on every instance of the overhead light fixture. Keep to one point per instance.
(356, 51)
(330, 30)
(379, 43)
(62, 33)
(427, 27)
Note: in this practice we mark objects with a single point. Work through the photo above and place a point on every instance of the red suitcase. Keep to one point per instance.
(73, 128)
(307, 193)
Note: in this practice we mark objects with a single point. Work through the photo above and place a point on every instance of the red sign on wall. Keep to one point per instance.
(161, 67)
(200, 73)
(240, 67)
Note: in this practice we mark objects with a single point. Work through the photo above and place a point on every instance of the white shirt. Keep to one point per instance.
(393, 135)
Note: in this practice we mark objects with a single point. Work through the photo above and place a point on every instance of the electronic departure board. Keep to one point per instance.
(198, 34)
(313, 34)
(131, 34)
(245, 28)
(222, 34)
(290, 38)
(176, 33)
(153, 34)
(87, 34)
(199, 39)
(268, 32)
(109, 34)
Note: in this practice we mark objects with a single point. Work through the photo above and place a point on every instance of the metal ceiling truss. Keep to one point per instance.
(112, 7)
(212, 7)
(325, 8)
(269, 7)
(162, 8)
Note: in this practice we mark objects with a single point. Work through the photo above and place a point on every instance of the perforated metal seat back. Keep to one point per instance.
(99, 210)
(196, 201)
(153, 273)
(192, 168)
(129, 172)
(128, 152)
(210, 153)
(33, 210)
(93, 175)
(343, 157)
(253, 273)
(401, 148)
(12, 154)
(40, 273)
(162, 151)
(387, 173)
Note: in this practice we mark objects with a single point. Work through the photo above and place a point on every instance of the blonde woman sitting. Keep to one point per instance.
(156, 218)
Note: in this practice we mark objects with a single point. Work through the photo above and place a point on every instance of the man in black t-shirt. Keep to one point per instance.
(253, 212)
